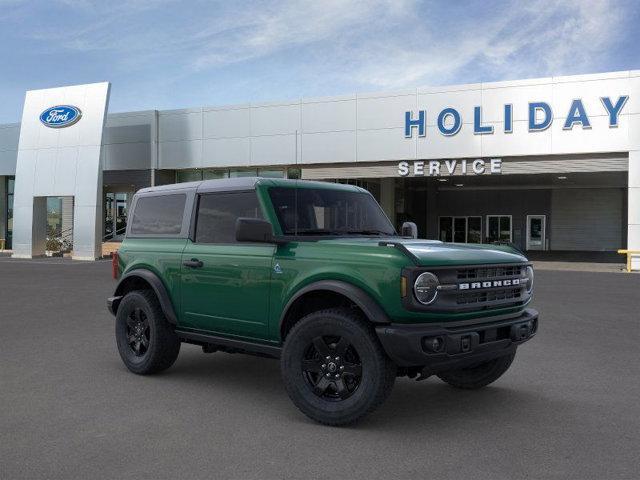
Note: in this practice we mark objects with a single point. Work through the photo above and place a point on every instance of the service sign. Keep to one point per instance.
(60, 116)
(437, 168)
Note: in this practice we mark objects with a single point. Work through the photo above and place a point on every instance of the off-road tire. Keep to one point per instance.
(377, 371)
(163, 344)
(478, 376)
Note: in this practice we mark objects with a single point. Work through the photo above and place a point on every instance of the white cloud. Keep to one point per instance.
(544, 38)
(367, 44)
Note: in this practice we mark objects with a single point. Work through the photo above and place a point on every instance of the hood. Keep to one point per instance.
(434, 252)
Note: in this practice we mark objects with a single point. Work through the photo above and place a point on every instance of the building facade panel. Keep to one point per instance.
(464, 101)
(182, 154)
(226, 123)
(226, 152)
(175, 126)
(273, 150)
(9, 136)
(127, 156)
(385, 144)
(508, 144)
(598, 138)
(518, 94)
(66, 171)
(380, 112)
(436, 145)
(275, 119)
(329, 116)
(329, 147)
(8, 160)
(589, 91)
(135, 127)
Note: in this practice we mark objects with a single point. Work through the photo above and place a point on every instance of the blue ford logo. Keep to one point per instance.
(60, 116)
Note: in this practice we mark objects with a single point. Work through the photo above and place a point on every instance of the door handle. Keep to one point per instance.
(193, 263)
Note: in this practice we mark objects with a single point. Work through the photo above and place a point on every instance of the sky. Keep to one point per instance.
(163, 54)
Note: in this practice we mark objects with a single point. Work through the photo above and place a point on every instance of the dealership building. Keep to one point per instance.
(548, 164)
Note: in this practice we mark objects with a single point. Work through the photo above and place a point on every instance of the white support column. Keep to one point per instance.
(61, 162)
(633, 228)
(39, 227)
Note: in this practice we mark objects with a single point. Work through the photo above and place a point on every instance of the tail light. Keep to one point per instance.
(115, 268)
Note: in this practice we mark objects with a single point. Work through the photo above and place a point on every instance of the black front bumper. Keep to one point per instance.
(448, 346)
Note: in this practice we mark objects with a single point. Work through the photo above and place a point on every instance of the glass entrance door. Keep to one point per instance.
(115, 215)
(536, 232)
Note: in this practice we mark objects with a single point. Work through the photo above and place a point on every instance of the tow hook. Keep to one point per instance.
(521, 332)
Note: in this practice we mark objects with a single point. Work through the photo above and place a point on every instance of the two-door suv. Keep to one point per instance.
(314, 274)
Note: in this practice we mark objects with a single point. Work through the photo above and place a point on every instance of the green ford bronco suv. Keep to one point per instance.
(314, 274)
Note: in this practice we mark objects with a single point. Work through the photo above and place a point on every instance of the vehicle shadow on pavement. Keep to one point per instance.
(430, 404)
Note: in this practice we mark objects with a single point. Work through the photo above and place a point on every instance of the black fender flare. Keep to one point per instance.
(362, 299)
(157, 286)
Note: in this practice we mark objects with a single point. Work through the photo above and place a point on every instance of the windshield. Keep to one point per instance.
(320, 211)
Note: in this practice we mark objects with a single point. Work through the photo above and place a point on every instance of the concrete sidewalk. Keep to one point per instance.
(579, 266)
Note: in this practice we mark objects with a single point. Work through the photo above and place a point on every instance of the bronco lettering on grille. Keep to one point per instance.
(489, 284)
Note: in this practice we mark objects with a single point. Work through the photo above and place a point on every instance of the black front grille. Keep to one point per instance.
(489, 272)
(469, 298)
(473, 288)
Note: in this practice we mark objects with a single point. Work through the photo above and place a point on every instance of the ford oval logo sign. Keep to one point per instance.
(60, 116)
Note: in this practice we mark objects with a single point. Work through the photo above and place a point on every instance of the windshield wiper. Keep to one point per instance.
(319, 231)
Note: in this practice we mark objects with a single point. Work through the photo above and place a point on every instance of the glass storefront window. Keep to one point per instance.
(189, 176)
(498, 228)
(210, 174)
(445, 233)
(270, 173)
(460, 229)
(474, 230)
(242, 173)
(195, 175)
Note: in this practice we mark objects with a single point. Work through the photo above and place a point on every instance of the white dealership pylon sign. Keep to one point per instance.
(59, 155)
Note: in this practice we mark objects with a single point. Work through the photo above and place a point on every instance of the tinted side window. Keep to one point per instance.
(158, 215)
(218, 212)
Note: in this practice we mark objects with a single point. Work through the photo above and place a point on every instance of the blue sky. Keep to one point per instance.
(162, 54)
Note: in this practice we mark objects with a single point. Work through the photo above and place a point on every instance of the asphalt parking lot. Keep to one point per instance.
(569, 407)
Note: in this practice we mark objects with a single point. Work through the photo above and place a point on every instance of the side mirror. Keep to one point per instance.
(409, 229)
(254, 230)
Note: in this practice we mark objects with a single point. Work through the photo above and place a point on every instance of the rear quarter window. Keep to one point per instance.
(158, 215)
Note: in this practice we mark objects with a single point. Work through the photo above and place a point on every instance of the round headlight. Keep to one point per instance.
(529, 274)
(426, 288)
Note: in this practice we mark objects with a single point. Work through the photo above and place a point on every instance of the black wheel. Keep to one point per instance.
(334, 368)
(146, 341)
(480, 375)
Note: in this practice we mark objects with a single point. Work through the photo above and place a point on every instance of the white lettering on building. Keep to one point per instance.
(436, 168)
